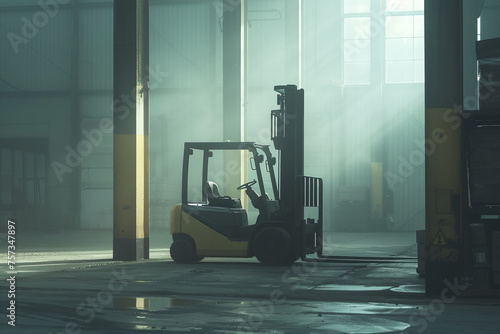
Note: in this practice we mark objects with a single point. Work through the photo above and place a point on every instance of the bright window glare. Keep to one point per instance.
(356, 6)
(418, 49)
(404, 5)
(399, 49)
(418, 4)
(404, 48)
(357, 28)
(418, 27)
(399, 26)
(357, 50)
(419, 71)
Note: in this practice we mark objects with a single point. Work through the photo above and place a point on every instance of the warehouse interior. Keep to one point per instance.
(390, 87)
(60, 82)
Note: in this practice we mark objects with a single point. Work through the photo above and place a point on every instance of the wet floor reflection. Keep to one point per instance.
(362, 308)
(152, 303)
(356, 324)
(410, 289)
(347, 287)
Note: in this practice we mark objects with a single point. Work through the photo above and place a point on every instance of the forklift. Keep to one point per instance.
(213, 225)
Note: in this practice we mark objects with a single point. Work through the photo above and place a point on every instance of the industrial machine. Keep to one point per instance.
(480, 183)
(213, 225)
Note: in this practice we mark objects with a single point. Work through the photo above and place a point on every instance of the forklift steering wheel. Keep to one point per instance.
(247, 185)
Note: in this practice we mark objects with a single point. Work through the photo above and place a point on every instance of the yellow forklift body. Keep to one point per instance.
(208, 242)
(175, 219)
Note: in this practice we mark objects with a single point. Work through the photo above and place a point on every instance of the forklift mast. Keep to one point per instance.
(296, 191)
(287, 134)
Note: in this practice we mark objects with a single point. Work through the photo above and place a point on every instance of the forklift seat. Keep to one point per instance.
(215, 199)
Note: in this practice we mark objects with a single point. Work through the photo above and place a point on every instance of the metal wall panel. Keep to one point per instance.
(180, 39)
(96, 172)
(95, 66)
(101, 215)
(96, 104)
(35, 48)
(95, 46)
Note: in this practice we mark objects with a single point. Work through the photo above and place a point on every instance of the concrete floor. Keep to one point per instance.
(67, 283)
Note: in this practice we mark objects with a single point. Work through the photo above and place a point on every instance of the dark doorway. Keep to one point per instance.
(23, 175)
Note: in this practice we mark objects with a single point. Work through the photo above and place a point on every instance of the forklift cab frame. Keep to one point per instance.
(223, 214)
(208, 147)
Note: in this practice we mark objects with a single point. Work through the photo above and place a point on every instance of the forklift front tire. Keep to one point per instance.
(183, 250)
(273, 246)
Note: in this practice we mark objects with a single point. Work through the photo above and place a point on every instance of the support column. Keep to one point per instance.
(131, 130)
(234, 90)
(443, 91)
(232, 69)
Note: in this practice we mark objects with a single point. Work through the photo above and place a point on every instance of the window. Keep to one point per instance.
(391, 29)
(404, 41)
(356, 42)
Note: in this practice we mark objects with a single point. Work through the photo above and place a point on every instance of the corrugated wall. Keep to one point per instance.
(181, 42)
(95, 84)
(35, 54)
(95, 47)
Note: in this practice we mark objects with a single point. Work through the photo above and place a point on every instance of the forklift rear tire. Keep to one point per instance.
(273, 246)
(183, 250)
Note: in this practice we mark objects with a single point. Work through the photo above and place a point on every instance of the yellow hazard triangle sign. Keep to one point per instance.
(439, 239)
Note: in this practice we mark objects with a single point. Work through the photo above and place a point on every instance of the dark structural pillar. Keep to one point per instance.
(131, 130)
(443, 94)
